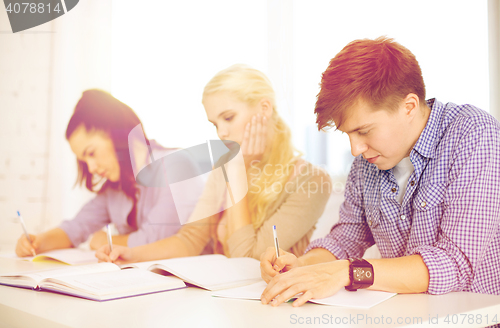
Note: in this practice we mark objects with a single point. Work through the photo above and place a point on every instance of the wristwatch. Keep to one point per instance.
(360, 274)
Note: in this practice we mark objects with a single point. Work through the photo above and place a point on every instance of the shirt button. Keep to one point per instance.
(370, 223)
(393, 189)
(423, 204)
(403, 217)
(412, 183)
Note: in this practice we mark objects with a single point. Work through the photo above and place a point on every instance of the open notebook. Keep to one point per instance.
(361, 298)
(104, 281)
(212, 272)
(99, 281)
(71, 256)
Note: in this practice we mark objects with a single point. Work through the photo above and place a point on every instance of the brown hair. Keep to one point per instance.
(98, 110)
(380, 72)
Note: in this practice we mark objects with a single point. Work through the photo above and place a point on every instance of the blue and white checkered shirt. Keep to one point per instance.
(450, 213)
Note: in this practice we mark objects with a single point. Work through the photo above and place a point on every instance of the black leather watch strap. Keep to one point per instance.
(360, 274)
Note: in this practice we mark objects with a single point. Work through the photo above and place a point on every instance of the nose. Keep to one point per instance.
(358, 146)
(222, 133)
(92, 166)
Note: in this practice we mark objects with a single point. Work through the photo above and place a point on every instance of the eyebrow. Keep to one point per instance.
(227, 110)
(360, 128)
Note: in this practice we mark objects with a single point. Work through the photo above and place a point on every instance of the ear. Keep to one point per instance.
(411, 105)
(266, 108)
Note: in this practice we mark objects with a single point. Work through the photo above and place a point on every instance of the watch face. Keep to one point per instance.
(362, 275)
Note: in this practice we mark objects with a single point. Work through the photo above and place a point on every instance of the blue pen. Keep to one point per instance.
(25, 230)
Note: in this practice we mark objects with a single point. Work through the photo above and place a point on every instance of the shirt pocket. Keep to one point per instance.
(372, 216)
(430, 197)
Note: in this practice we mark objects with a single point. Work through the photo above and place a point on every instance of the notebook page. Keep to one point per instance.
(213, 272)
(249, 292)
(71, 256)
(110, 285)
(361, 298)
(73, 270)
(149, 264)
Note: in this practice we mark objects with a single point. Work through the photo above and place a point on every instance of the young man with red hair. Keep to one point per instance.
(424, 187)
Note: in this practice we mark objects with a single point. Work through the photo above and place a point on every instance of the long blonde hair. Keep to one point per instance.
(250, 85)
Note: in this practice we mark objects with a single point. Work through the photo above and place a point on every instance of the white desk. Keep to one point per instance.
(193, 307)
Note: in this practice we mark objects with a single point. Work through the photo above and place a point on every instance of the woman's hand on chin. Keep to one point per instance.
(254, 141)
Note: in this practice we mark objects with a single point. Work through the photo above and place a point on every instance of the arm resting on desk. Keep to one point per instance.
(189, 241)
(49, 240)
(401, 275)
(407, 274)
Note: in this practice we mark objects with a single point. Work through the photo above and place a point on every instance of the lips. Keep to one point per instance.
(372, 159)
(230, 144)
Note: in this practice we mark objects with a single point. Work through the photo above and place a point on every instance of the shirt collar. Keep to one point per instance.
(429, 138)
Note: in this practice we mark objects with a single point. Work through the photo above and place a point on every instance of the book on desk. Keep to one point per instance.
(212, 272)
(226, 277)
(106, 281)
(69, 256)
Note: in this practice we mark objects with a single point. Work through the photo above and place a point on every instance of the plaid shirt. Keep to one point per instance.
(450, 213)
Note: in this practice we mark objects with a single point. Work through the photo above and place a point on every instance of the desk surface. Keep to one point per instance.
(194, 307)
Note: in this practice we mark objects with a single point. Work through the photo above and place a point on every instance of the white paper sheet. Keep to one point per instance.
(361, 298)
(212, 272)
(71, 256)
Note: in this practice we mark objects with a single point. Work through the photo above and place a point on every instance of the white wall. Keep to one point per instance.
(448, 37)
(43, 72)
(162, 62)
(25, 98)
(494, 58)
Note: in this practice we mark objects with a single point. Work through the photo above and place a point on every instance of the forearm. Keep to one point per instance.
(315, 256)
(120, 240)
(54, 239)
(162, 249)
(406, 274)
(403, 275)
(238, 217)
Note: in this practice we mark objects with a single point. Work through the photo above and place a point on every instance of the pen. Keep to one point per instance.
(276, 245)
(25, 230)
(110, 241)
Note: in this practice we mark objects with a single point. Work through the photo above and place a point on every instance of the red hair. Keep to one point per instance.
(380, 72)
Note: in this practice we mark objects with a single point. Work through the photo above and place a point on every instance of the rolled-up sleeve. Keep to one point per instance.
(471, 216)
(160, 220)
(350, 236)
(92, 217)
(163, 212)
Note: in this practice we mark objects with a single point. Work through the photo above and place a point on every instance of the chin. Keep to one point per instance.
(239, 143)
(114, 179)
(384, 167)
